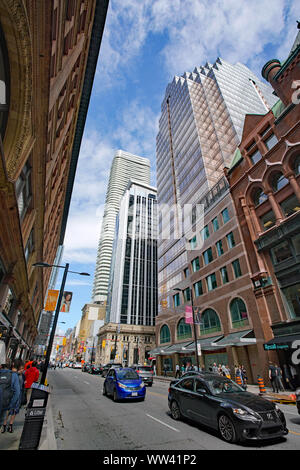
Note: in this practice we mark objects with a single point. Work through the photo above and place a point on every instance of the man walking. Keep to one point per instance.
(273, 377)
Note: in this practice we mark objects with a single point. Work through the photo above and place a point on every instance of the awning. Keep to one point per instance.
(206, 344)
(281, 342)
(237, 339)
(177, 348)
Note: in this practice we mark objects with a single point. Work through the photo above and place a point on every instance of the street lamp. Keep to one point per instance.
(195, 330)
(61, 292)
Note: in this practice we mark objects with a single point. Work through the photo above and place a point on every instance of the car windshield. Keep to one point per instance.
(218, 386)
(127, 374)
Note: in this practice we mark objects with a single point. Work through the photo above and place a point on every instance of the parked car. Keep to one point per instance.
(85, 367)
(221, 404)
(145, 372)
(104, 369)
(77, 365)
(124, 383)
(298, 399)
(95, 369)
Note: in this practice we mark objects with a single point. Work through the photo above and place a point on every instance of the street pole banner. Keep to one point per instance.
(51, 301)
(197, 312)
(188, 314)
(66, 302)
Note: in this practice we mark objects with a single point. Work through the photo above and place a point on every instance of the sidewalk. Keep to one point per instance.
(11, 441)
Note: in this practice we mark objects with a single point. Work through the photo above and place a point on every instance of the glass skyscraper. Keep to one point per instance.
(201, 124)
(124, 167)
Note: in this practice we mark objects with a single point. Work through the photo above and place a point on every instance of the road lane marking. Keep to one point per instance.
(293, 432)
(158, 394)
(161, 422)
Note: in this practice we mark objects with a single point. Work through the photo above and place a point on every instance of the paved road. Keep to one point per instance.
(84, 419)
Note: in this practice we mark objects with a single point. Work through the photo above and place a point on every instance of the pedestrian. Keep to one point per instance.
(154, 369)
(244, 374)
(31, 375)
(215, 368)
(17, 367)
(177, 373)
(279, 378)
(273, 377)
(227, 372)
(238, 373)
(182, 369)
(10, 394)
(165, 370)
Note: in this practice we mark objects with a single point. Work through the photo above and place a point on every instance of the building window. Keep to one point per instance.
(224, 275)
(281, 252)
(271, 141)
(236, 268)
(219, 247)
(198, 289)
(278, 181)
(176, 299)
(186, 273)
(239, 315)
(291, 297)
(297, 165)
(230, 240)
(196, 264)
(23, 190)
(210, 322)
(255, 157)
(259, 197)
(296, 244)
(225, 215)
(29, 245)
(215, 224)
(165, 336)
(184, 330)
(267, 220)
(193, 243)
(208, 256)
(205, 233)
(290, 205)
(4, 84)
(187, 294)
(211, 282)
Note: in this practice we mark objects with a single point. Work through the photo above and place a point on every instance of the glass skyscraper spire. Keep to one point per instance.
(125, 166)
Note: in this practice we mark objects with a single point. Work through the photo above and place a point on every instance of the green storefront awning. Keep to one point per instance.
(237, 338)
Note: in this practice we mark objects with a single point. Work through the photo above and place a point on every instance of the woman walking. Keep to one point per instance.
(31, 375)
(17, 367)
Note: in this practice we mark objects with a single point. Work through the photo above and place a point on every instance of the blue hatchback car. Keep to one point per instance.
(124, 383)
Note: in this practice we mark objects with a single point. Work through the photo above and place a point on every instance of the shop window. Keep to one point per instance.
(210, 322)
(290, 205)
(239, 315)
(259, 197)
(176, 299)
(211, 282)
(165, 336)
(255, 157)
(224, 275)
(292, 300)
(271, 141)
(167, 364)
(225, 215)
(281, 252)
(278, 181)
(236, 268)
(196, 264)
(219, 247)
(297, 165)
(267, 220)
(184, 330)
(198, 289)
(8, 304)
(208, 256)
(230, 240)
(215, 224)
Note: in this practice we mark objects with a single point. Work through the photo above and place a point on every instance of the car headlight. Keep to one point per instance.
(239, 411)
(246, 414)
(122, 386)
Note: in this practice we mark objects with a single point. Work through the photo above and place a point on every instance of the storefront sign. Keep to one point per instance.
(274, 346)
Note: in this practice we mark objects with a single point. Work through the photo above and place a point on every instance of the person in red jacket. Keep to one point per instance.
(31, 375)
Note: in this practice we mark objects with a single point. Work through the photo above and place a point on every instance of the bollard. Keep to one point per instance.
(261, 385)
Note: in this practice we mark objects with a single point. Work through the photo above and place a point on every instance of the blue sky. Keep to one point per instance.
(146, 43)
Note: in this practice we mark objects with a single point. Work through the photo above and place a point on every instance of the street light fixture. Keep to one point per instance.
(61, 292)
(194, 323)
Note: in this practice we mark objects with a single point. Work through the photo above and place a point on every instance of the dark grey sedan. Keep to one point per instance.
(223, 405)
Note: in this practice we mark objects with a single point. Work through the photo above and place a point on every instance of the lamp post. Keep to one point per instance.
(61, 292)
(194, 324)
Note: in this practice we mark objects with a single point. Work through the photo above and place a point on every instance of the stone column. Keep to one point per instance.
(276, 208)
(294, 185)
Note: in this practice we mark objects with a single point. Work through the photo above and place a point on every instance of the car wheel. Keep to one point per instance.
(175, 411)
(115, 395)
(227, 429)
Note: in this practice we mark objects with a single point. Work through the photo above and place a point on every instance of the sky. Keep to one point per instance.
(144, 45)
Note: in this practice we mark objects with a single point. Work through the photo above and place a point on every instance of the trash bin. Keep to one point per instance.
(34, 418)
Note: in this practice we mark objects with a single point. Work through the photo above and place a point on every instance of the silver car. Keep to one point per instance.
(145, 373)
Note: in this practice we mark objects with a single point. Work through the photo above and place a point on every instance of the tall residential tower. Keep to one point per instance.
(125, 166)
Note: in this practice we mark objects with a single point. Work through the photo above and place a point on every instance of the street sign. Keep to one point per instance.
(199, 349)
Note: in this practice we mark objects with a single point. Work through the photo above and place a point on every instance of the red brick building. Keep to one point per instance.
(264, 180)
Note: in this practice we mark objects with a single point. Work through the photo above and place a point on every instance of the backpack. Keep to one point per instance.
(6, 389)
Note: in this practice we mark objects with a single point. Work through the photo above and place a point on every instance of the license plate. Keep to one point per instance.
(134, 394)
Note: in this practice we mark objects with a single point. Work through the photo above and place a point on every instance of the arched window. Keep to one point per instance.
(210, 322)
(4, 84)
(278, 180)
(165, 336)
(259, 197)
(297, 165)
(239, 315)
(184, 330)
